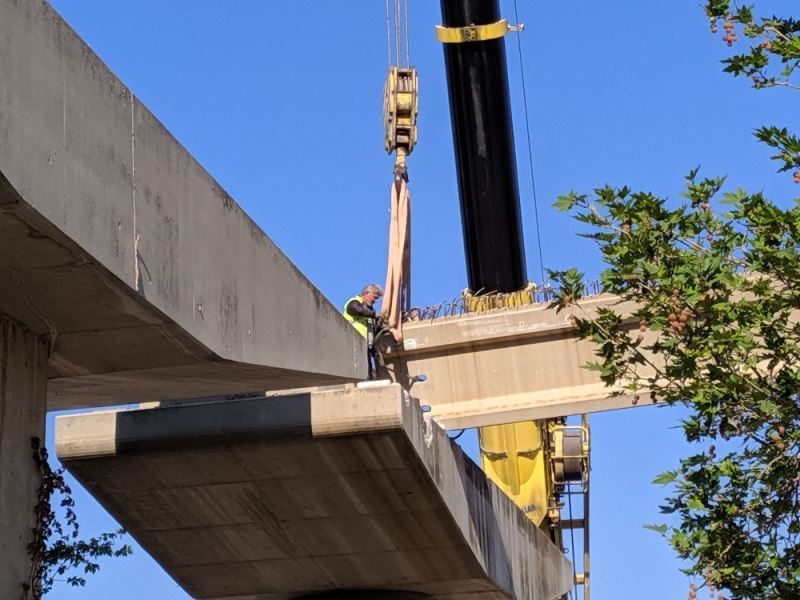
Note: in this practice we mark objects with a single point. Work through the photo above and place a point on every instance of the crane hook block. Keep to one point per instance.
(400, 107)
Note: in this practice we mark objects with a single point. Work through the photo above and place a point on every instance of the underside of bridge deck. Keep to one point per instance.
(145, 276)
(278, 497)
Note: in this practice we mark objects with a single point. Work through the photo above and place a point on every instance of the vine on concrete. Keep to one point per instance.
(57, 552)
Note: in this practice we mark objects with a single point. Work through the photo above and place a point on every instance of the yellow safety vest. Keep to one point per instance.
(362, 324)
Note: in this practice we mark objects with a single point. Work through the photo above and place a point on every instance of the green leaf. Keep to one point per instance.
(567, 202)
(769, 408)
(662, 529)
(666, 478)
(694, 504)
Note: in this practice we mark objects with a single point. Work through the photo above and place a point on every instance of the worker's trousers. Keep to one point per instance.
(372, 363)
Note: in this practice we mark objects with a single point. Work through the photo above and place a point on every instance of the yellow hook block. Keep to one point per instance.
(400, 108)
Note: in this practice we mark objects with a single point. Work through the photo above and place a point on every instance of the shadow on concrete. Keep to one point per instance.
(216, 423)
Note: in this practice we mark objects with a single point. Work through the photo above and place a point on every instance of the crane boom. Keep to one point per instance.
(480, 109)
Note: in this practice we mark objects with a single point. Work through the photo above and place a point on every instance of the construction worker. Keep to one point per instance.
(360, 311)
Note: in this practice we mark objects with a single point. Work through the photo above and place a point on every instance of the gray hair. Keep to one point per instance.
(372, 287)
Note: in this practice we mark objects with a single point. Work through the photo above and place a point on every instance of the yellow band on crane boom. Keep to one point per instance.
(474, 33)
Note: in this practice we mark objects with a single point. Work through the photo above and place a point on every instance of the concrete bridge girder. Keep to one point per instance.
(279, 497)
(146, 276)
(505, 366)
(126, 272)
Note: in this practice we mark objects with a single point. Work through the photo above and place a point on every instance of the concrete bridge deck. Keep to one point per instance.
(274, 498)
(147, 278)
(126, 272)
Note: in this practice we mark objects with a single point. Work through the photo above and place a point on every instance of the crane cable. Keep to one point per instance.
(397, 30)
(397, 19)
(530, 147)
(388, 36)
(539, 239)
(400, 116)
(408, 47)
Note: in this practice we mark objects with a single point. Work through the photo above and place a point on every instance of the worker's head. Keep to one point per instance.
(371, 293)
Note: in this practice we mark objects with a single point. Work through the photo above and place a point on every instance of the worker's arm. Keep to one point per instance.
(357, 309)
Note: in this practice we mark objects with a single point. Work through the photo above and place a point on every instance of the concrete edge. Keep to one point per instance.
(304, 415)
(498, 533)
(501, 410)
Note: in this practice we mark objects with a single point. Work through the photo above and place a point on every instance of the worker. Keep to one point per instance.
(360, 311)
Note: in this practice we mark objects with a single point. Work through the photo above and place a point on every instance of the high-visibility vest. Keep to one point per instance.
(362, 324)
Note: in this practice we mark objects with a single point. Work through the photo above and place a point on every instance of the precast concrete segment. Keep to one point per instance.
(506, 366)
(23, 359)
(148, 278)
(273, 498)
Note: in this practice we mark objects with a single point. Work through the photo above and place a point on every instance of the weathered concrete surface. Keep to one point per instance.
(504, 366)
(23, 359)
(150, 280)
(274, 498)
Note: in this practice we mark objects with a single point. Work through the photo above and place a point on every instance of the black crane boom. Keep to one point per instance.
(480, 109)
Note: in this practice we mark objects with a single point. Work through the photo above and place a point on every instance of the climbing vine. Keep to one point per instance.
(57, 552)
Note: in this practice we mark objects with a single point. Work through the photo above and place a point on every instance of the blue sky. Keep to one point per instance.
(280, 100)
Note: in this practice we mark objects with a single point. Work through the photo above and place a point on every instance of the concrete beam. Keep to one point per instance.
(504, 366)
(23, 357)
(149, 280)
(276, 498)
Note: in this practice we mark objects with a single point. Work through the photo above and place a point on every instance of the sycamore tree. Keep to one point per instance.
(715, 281)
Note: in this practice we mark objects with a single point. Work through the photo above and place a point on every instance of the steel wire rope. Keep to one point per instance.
(397, 18)
(397, 32)
(408, 47)
(530, 146)
(572, 542)
(388, 36)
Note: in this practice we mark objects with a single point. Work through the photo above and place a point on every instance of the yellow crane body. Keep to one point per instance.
(513, 457)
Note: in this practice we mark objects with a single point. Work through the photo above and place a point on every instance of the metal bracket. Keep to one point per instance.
(476, 33)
